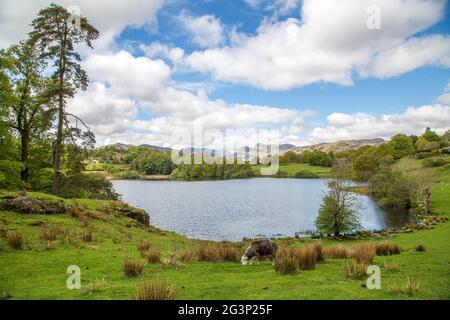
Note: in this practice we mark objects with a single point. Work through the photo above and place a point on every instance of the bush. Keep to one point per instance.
(306, 174)
(434, 162)
(386, 249)
(421, 247)
(128, 175)
(87, 186)
(132, 268)
(14, 239)
(363, 253)
(155, 290)
(355, 270)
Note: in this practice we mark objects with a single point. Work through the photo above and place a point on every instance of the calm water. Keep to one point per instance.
(233, 209)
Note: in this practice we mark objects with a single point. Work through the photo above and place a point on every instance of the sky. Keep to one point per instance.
(313, 70)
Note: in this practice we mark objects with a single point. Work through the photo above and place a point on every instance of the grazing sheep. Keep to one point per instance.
(260, 248)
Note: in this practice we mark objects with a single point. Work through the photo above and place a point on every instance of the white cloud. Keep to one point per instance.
(159, 50)
(206, 31)
(361, 125)
(329, 44)
(128, 76)
(279, 7)
(445, 97)
(109, 16)
(132, 100)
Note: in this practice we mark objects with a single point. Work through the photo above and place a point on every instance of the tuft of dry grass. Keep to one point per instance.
(172, 262)
(15, 239)
(152, 256)
(133, 268)
(52, 233)
(355, 270)
(386, 248)
(75, 212)
(421, 247)
(155, 290)
(392, 266)
(363, 253)
(95, 287)
(212, 252)
(337, 252)
(320, 254)
(87, 236)
(409, 288)
(143, 246)
(307, 257)
(286, 261)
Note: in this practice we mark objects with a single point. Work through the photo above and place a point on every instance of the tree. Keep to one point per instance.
(56, 35)
(31, 102)
(338, 212)
(401, 145)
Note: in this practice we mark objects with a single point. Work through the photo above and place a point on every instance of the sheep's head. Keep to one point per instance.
(244, 260)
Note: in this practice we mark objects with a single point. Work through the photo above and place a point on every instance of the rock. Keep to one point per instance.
(27, 205)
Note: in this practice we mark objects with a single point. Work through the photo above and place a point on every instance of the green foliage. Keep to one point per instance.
(212, 172)
(306, 174)
(338, 212)
(394, 190)
(401, 145)
(150, 161)
(434, 162)
(87, 186)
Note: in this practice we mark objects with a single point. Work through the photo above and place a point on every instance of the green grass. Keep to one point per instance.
(39, 270)
(293, 168)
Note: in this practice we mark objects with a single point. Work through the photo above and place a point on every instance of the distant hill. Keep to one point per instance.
(326, 147)
(340, 145)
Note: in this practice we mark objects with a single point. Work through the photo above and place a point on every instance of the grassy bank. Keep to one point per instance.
(38, 271)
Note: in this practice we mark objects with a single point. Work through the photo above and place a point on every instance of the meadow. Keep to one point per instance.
(38, 270)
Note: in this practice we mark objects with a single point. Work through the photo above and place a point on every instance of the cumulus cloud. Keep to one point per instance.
(132, 100)
(206, 31)
(445, 97)
(414, 120)
(279, 7)
(330, 43)
(109, 16)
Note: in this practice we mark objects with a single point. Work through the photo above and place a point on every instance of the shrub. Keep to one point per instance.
(152, 256)
(421, 247)
(306, 174)
(363, 253)
(155, 290)
(386, 249)
(355, 270)
(133, 268)
(307, 257)
(87, 186)
(52, 233)
(143, 246)
(337, 252)
(433, 163)
(14, 239)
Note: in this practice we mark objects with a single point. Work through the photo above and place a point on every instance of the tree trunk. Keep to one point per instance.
(59, 139)
(24, 136)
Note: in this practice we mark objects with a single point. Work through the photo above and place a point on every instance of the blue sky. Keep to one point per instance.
(418, 87)
(312, 69)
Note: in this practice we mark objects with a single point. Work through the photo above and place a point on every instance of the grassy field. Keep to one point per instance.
(39, 270)
(293, 168)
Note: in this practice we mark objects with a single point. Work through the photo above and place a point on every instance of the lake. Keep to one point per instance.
(233, 209)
